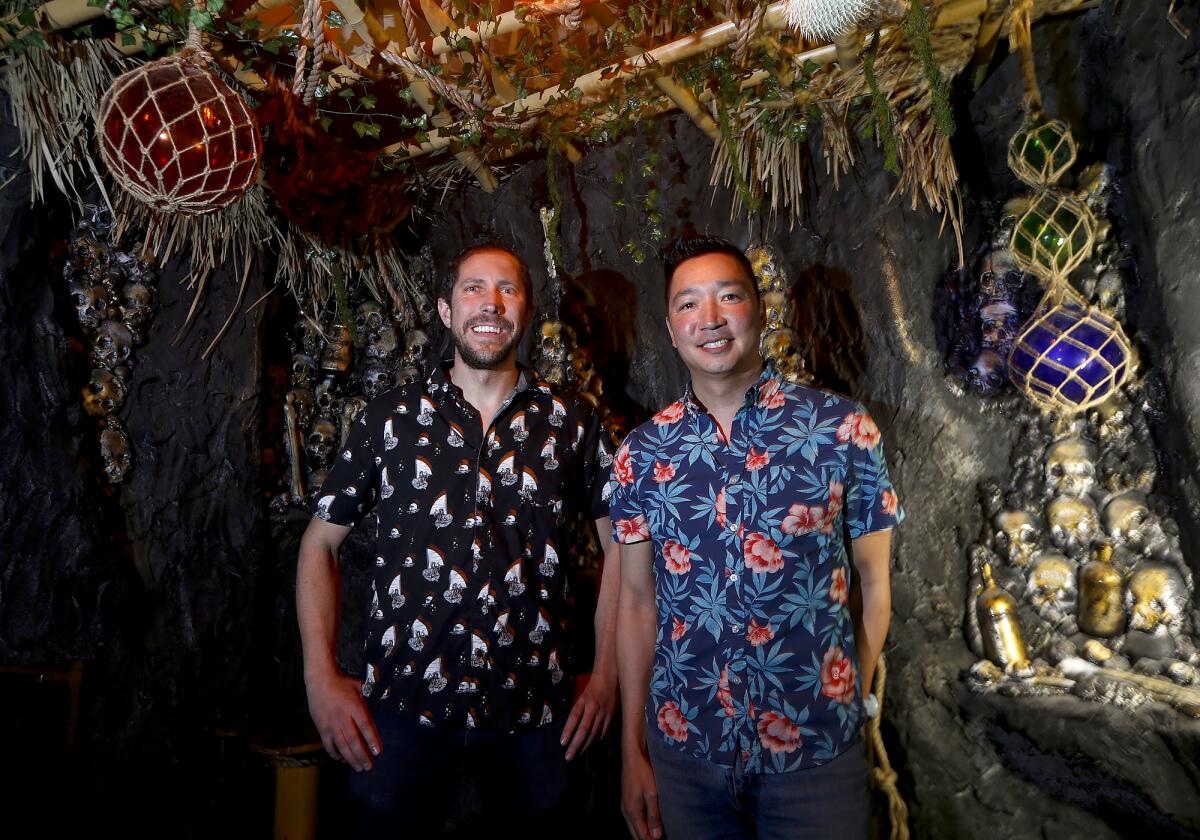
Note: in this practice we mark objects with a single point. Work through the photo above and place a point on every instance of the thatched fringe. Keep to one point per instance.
(759, 163)
(54, 92)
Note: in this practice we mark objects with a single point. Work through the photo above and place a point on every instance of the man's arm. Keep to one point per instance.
(335, 700)
(872, 562)
(593, 710)
(636, 624)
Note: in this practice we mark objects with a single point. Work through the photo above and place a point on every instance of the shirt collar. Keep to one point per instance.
(439, 380)
(763, 388)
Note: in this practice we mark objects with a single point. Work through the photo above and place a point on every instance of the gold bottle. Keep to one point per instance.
(1101, 589)
(998, 623)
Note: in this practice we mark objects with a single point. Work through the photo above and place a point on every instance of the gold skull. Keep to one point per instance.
(1125, 518)
(1017, 533)
(1051, 587)
(1071, 467)
(1156, 598)
(1073, 522)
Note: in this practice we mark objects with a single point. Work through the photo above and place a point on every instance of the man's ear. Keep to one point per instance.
(670, 332)
(444, 311)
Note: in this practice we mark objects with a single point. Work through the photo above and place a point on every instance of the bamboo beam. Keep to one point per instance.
(597, 81)
(683, 98)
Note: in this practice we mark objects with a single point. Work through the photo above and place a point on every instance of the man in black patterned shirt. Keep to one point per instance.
(477, 472)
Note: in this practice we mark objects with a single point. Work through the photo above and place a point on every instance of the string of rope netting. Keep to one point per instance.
(882, 774)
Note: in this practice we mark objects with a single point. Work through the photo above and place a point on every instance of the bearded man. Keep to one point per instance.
(477, 472)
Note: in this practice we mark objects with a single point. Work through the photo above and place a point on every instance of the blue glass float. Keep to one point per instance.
(1070, 357)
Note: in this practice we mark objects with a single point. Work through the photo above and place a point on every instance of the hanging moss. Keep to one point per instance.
(916, 27)
(745, 193)
(556, 201)
(881, 111)
(342, 301)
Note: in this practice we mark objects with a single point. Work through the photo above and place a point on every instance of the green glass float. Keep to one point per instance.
(1040, 152)
(1053, 236)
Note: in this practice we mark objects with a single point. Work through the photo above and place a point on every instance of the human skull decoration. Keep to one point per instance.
(998, 322)
(775, 305)
(1125, 518)
(383, 343)
(1017, 536)
(376, 380)
(114, 451)
(1052, 587)
(1132, 467)
(986, 373)
(368, 318)
(1073, 522)
(783, 348)
(1070, 467)
(416, 345)
(1156, 598)
(1111, 419)
(112, 346)
(322, 440)
(104, 394)
(90, 301)
(137, 305)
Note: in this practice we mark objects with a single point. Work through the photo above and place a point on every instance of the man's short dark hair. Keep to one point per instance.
(687, 247)
(446, 286)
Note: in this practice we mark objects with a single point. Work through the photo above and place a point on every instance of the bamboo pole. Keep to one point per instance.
(683, 98)
(597, 81)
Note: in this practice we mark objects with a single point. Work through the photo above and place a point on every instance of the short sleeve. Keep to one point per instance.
(595, 461)
(349, 489)
(625, 505)
(871, 501)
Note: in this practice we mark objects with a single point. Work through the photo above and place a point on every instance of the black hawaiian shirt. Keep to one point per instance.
(470, 599)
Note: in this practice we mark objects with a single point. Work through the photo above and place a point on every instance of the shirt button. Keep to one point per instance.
(735, 679)
(733, 528)
(735, 479)
(736, 628)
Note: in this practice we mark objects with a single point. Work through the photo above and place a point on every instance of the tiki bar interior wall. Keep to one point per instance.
(979, 218)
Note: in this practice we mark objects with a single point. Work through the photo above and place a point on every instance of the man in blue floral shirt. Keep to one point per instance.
(735, 633)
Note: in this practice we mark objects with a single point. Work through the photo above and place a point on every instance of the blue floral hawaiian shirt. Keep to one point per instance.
(755, 663)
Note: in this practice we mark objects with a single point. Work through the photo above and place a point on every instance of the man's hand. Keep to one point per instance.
(595, 702)
(639, 795)
(337, 708)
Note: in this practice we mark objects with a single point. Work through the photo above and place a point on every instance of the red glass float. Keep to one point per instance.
(178, 138)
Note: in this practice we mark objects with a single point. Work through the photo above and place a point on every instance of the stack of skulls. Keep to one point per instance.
(337, 368)
(114, 295)
(1079, 536)
(779, 344)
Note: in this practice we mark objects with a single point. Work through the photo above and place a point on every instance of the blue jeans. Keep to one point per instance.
(700, 800)
(412, 790)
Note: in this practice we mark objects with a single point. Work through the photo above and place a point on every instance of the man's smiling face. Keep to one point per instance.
(489, 309)
(714, 316)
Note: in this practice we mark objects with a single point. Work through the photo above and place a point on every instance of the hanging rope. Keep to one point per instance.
(410, 28)
(312, 32)
(882, 774)
(194, 42)
(748, 27)
(1020, 36)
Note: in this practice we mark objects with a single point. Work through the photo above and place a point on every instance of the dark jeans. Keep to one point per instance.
(700, 800)
(413, 789)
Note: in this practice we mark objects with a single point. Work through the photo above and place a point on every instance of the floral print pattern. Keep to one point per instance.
(755, 658)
